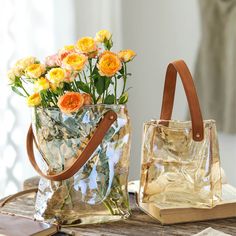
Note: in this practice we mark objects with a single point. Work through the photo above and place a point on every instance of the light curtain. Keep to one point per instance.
(26, 28)
(216, 66)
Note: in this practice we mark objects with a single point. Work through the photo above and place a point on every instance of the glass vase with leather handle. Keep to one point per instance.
(83, 162)
(180, 159)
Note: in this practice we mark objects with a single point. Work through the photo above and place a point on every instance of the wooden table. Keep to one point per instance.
(138, 224)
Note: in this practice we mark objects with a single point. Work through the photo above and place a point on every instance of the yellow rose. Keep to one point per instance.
(69, 47)
(35, 70)
(53, 87)
(11, 76)
(102, 35)
(86, 45)
(17, 71)
(75, 61)
(56, 75)
(109, 64)
(41, 84)
(34, 100)
(126, 55)
(25, 62)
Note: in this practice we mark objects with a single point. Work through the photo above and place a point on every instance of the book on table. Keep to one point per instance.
(172, 215)
(20, 226)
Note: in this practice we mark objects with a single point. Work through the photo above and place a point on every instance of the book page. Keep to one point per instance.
(228, 193)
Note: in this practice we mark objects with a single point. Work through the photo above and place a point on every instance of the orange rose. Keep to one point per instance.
(87, 99)
(126, 55)
(70, 102)
(109, 64)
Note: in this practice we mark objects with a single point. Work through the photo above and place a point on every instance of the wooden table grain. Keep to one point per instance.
(138, 224)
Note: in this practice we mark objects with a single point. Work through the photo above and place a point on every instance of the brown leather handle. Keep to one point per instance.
(190, 91)
(109, 118)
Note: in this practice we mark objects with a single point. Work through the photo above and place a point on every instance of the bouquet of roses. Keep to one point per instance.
(85, 73)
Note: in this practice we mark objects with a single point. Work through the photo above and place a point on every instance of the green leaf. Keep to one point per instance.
(124, 98)
(67, 87)
(18, 82)
(108, 44)
(83, 86)
(43, 97)
(119, 76)
(101, 83)
(122, 70)
(15, 89)
(110, 99)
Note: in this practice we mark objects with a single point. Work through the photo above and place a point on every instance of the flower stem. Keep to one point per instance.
(92, 87)
(125, 77)
(103, 97)
(115, 89)
(27, 94)
(85, 78)
(54, 96)
(104, 94)
(74, 86)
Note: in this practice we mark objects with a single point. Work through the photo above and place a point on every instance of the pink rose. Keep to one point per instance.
(70, 76)
(66, 50)
(52, 61)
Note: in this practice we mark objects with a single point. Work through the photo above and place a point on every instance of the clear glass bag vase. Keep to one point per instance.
(180, 160)
(97, 192)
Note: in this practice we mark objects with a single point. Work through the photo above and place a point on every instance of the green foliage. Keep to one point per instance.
(101, 84)
(108, 44)
(83, 86)
(16, 90)
(110, 99)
